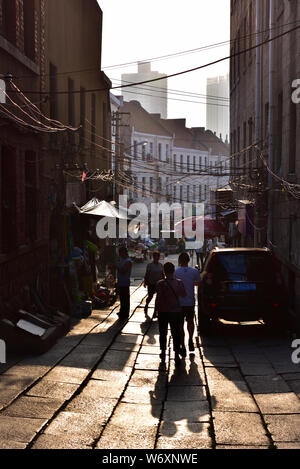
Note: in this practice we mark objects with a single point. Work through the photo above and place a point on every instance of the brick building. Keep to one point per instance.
(23, 239)
(266, 177)
(52, 50)
(78, 94)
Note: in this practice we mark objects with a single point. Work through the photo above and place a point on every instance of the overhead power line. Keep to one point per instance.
(190, 51)
(222, 59)
(197, 49)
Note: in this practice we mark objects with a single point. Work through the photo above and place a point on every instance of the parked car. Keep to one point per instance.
(241, 284)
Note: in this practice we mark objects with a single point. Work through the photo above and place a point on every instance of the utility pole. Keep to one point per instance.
(271, 126)
(116, 124)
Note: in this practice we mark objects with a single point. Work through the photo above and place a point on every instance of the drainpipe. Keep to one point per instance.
(257, 89)
(271, 125)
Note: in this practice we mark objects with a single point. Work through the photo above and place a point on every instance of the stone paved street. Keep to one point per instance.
(103, 386)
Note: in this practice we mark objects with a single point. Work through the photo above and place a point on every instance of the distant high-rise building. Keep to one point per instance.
(152, 96)
(217, 107)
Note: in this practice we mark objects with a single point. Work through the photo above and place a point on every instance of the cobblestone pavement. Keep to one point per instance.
(104, 386)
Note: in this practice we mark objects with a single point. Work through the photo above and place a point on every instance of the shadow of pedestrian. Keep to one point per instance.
(149, 329)
(186, 400)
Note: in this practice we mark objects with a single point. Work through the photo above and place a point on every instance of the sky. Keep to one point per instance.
(137, 30)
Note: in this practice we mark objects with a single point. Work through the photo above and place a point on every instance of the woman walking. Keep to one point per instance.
(169, 311)
(154, 273)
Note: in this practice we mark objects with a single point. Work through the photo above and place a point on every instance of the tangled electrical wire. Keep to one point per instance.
(28, 115)
(291, 188)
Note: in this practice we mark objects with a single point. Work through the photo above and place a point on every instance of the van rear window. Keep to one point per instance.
(244, 266)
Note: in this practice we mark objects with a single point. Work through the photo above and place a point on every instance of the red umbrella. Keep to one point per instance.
(211, 227)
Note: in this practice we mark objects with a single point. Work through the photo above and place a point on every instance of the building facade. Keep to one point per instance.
(152, 96)
(147, 150)
(23, 236)
(217, 107)
(169, 162)
(55, 133)
(264, 127)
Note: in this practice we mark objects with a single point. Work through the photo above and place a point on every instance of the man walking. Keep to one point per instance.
(190, 277)
(123, 284)
(167, 304)
(154, 273)
(200, 256)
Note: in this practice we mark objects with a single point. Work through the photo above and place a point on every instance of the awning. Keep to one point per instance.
(101, 208)
(211, 227)
(228, 212)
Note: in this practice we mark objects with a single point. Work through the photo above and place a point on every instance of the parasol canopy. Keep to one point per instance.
(211, 227)
(102, 208)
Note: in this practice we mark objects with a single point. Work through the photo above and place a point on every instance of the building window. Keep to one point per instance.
(250, 30)
(159, 185)
(8, 20)
(167, 152)
(151, 184)
(266, 120)
(292, 138)
(93, 120)
(30, 196)
(181, 163)
(71, 107)
(53, 99)
(8, 193)
(104, 127)
(82, 117)
(175, 163)
(29, 29)
(279, 130)
(250, 133)
(188, 164)
(135, 149)
(244, 145)
(53, 91)
(135, 179)
(159, 151)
